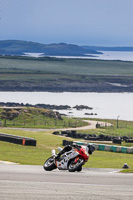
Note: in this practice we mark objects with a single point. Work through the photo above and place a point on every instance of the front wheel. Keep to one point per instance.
(49, 164)
(76, 166)
(79, 169)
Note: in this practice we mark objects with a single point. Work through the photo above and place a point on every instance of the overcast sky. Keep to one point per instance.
(82, 22)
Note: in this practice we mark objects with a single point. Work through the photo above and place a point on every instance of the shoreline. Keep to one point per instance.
(71, 90)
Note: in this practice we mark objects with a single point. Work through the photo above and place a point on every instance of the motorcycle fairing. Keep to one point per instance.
(62, 164)
(82, 152)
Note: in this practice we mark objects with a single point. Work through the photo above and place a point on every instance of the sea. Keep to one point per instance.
(115, 55)
(105, 105)
(106, 55)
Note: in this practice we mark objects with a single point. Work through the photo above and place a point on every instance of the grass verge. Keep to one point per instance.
(31, 117)
(46, 142)
(125, 128)
(127, 171)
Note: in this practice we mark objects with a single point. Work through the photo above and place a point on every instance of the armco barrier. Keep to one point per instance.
(103, 147)
(107, 148)
(17, 139)
(113, 148)
(129, 150)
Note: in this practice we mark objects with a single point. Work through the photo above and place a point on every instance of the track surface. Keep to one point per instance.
(21, 182)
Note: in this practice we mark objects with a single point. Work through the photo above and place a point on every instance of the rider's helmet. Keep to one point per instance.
(91, 148)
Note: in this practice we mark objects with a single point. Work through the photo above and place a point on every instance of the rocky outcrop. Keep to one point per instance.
(81, 107)
(52, 114)
(9, 114)
(13, 112)
(45, 106)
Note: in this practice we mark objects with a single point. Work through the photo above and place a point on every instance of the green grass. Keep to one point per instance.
(69, 66)
(30, 117)
(46, 142)
(127, 171)
(49, 74)
(102, 159)
(28, 154)
(44, 122)
(125, 128)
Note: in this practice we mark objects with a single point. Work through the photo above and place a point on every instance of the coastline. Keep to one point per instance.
(98, 84)
(104, 105)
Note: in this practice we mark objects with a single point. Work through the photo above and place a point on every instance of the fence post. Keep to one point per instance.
(5, 122)
(55, 122)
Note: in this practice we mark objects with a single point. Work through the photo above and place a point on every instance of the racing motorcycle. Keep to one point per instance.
(71, 158)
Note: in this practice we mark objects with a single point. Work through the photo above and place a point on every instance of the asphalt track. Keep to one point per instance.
(21, 182)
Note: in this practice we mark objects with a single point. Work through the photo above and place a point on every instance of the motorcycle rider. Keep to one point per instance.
(62, 151)
(89, 148)
(70, 158)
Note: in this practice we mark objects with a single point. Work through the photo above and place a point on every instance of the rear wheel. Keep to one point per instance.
(49, 164)
(76, 166)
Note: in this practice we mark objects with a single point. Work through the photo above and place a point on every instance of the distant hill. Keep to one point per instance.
(99, 48)
(17, 47)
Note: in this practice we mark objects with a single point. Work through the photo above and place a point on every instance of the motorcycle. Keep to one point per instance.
(70, 158)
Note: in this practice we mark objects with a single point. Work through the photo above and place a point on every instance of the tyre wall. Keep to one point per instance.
(17, 139)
